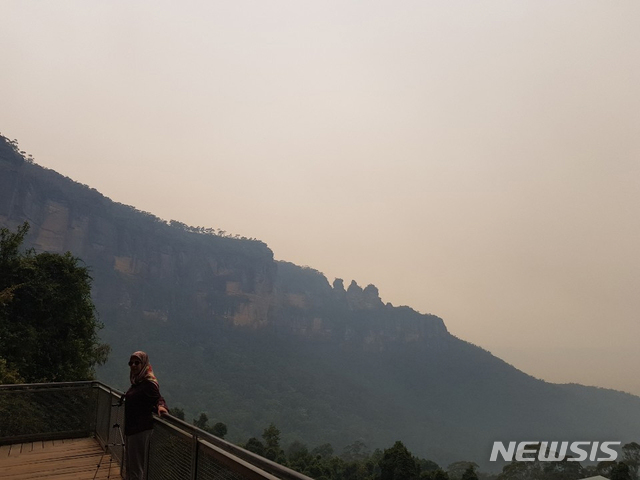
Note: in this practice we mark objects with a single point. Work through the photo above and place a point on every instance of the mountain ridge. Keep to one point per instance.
(266, 340)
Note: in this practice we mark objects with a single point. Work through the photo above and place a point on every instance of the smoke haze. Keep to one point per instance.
(478, 160)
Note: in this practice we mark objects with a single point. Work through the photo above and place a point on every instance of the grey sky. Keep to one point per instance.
(478, 160)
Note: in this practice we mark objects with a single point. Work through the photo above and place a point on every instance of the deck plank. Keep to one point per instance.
(73, 459)
(15, 449)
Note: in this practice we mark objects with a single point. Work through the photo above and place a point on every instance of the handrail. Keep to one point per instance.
(107, 388)
(250, 471)
(265, 464)
(29, 386)
(244, 462)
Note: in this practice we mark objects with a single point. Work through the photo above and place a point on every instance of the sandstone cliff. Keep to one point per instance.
(146, 268)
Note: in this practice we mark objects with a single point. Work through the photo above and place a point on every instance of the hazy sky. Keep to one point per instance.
(479, 160)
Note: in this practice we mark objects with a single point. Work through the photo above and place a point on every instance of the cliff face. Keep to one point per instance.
(138, 261)
(146, 269)
(309, 306)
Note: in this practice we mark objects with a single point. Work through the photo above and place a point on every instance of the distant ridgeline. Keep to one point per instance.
(250, 340)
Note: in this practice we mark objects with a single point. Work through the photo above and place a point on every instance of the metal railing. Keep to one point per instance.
(33, 412)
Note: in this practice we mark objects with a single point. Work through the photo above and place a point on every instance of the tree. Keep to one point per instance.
(254, 445)
(438, 474)
(271, 437)
(457, 470)
(298, 456)
(397, 463)
(323, 451)
(201, 422)
(621, 472)
(48, 324)
(517, 470)
(469, 474)
(563, 470)
(355, 452)
(427, 465)
(631, 457)
(8, 374)
(296, 450)
(219, 430)
(604, 468)
(177, 412)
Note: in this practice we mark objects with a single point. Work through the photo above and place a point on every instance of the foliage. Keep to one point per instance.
(458, 470)
(208, 231)
(202, 422)
(272, 450)
(357, 462)
(469, 474)
(398, 464)
(254, 445)
(573, 470)
(48, 324)
(177, 412)
(10, 150)
(355, 452)
(9, 374)
(219, 430)
(621, 472)
(323, 451)
(438, 474)
(631, 457)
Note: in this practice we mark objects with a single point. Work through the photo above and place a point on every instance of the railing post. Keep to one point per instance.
(194, 458)
(97, 395)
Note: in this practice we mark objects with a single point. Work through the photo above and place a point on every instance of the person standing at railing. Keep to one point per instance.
(142, 400)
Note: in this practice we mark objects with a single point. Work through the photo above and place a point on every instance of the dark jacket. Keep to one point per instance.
(141, 402)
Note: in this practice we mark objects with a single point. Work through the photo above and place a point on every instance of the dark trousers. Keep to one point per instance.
(136, 453)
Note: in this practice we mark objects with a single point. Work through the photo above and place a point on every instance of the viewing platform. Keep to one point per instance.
(73, 430)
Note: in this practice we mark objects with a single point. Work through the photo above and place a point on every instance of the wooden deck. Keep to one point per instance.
(76, 459)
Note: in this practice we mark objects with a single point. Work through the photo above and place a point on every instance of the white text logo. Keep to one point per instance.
(555, 451)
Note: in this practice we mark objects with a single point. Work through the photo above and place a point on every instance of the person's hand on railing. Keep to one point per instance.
(162, 410)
